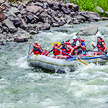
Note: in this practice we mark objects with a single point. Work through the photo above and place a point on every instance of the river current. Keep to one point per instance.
(22, 86)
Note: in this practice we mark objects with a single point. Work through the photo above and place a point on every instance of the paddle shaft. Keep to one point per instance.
(28, 52)
(94, 51)
(50, 51)
(73, 57)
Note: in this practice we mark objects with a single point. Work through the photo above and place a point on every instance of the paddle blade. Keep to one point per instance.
(28, 52)
(27, 58)
(82, 62)
(56, 42)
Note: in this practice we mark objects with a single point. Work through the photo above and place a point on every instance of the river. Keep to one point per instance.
(22, 86)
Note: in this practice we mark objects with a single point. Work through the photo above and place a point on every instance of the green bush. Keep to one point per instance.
(90, 5)
(11, 0)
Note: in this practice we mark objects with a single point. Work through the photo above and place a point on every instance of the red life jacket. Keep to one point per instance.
(67, 43)
(37, 51)
(56, 51)
(65, 50)
(82, 40)
(69, 51)
(83, 49)
(100, 46)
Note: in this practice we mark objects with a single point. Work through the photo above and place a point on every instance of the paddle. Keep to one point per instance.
(28, 52)
(94, 51)
(58, 44)
(53, 45)
(73, 57)
(100, 50)
(50, 51)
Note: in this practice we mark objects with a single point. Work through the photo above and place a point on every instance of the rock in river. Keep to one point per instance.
(87, 31)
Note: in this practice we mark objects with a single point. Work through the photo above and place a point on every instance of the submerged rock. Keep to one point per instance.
(55, 25)
(21, 39)
(33, 32)
(88, 31)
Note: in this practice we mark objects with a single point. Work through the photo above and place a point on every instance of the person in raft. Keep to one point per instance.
(45, 52)
(36, 48)
(101, 45)
(82, 48)
(66, 48)
(55, 51)
(76, 45)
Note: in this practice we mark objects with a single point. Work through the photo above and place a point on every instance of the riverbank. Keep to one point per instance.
(23, 20)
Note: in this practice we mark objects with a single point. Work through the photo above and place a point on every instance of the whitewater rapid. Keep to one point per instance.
(22, 86)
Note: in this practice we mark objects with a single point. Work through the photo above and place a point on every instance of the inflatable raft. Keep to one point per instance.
(59, 64)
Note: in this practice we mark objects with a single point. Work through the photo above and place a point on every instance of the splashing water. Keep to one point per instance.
(22, 62)
(24, 87)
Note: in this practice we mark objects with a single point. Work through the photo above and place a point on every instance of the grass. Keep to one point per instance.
(90, 5)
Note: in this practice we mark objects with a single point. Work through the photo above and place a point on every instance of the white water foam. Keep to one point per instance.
(21, 62)
(98, 34)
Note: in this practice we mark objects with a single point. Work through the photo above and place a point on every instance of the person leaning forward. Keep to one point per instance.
(36, 48)
(65, 48)
(101, 45)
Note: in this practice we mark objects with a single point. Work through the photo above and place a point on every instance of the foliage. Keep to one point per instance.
(90, 5)
(11, 0)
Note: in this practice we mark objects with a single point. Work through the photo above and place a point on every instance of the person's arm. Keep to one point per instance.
(69, 47)
(104, 46)
(83, 47)
(75, 47)
(35, 45)
(47, 54)
(59, 47)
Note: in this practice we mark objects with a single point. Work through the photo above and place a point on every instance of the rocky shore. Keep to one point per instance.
(19, 21)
